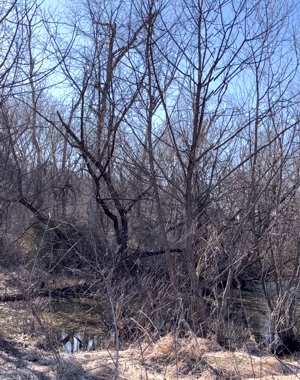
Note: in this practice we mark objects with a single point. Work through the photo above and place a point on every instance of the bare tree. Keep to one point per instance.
(216, 45)
(105, 86)
(174, 135)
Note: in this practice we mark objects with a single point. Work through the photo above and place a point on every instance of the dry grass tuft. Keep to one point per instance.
(246, 366)
(170, 358)
(197, 358)
(70, 369)
(194, 347)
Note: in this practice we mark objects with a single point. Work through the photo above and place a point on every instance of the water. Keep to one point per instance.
(78, 341)
(72, 325)
(79, 324)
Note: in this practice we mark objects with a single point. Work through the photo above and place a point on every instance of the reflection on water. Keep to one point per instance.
(252, 307)
(70, 324)
(266, 332)
(80, 324)
(71, 343)
(256, 313)
(92, 343)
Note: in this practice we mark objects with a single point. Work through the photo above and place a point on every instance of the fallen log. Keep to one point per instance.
(75, 291)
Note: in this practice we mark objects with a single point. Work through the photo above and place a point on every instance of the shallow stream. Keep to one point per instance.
(79, 323)
(71, 324)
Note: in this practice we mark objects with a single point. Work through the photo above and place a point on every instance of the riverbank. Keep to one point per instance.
(32, 332)
(169, 358)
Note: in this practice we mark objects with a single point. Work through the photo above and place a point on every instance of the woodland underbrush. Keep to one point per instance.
(144, 326)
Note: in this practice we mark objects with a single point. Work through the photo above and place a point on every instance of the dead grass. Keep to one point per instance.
(168, 359)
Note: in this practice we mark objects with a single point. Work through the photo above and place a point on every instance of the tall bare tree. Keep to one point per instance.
(178, 123)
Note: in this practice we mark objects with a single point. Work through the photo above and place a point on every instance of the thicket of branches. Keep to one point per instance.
(155, 143)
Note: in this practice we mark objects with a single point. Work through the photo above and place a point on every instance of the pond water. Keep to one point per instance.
(78, 324)
(249, 309)
(80, 340)
(253, 309)
(70, 324)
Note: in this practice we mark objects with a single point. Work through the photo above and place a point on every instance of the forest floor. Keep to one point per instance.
(167, 359)
(22, 357)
